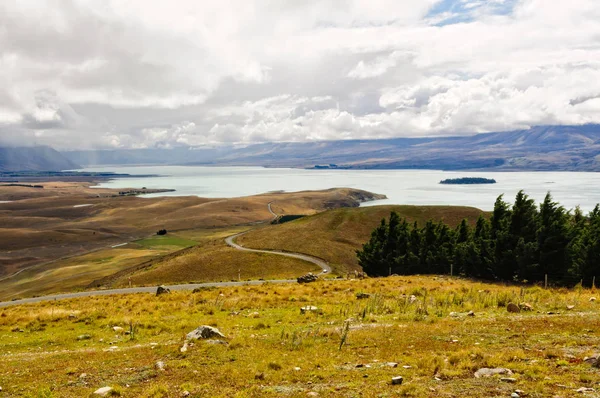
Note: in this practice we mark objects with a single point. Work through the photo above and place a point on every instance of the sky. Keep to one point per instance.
(81, 74)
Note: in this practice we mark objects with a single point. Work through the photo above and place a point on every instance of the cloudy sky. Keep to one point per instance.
(139, 73)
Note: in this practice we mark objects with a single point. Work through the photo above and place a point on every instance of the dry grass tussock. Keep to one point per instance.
(65, 348)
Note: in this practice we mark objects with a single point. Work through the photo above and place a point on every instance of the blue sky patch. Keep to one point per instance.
(448, 12)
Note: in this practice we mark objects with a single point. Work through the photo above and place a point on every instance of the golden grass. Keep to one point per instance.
(72, 274)
(335, 235)
(215, 261)
(268, 339)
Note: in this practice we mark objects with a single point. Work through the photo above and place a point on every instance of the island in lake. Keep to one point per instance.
(468, 181)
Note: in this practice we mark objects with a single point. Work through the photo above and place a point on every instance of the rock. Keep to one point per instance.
(392, 364)
(104, 391)
(584, 389)
(185, 394)
(593, 360)
(397, 380)
(526, 307)
(84, 337)
(162, 290)
(310, 308)
(312, 394)
(515, 395)
(488, 372)
(254, 315)
(308, 278)
(297, 369)
(72, 316)
(592, 298)
(118, 329)
(407, 367)
(470, 313)
(17, 329)
(512, 307)
(361, 296)
(508, 379)
(160, 365)
(570, 307)
(204, 332)
(520, 393)
(412, 298)
(185, 347)
(83, 376)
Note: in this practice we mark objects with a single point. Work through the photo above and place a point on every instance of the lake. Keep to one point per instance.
(414, 187)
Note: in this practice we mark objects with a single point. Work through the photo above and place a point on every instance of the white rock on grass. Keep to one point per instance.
(397, 380)
(103, 392)
(488, 372)
(204, 332)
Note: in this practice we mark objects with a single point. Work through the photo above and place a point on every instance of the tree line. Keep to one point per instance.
(523, 242)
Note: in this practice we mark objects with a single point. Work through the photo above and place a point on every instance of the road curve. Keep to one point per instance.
(150, 289)
(230, 240)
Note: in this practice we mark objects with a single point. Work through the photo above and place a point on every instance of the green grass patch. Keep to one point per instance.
(155, 242)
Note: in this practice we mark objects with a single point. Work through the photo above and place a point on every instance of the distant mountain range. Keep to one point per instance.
(35, 158)
(568, 148)
(539, 148)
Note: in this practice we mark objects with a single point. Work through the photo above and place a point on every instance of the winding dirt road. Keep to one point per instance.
(230, 240)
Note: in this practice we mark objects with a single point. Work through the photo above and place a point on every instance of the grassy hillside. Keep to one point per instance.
(67, 219)
(208, 262)
(335, 235)
(273, 350)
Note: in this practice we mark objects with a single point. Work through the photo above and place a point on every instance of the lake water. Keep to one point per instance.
(400, 186)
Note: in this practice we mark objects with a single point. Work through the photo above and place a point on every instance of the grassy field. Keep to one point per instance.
(335, 235)
(165, 242)
(73, 273)
(69, 349)
(213, 261)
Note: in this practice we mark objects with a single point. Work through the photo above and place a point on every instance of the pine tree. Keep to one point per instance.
(553, 238)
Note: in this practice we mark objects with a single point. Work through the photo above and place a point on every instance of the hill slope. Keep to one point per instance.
(35, 158)
(336, 234)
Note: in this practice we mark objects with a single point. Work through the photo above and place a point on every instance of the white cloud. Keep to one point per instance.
(165, 73)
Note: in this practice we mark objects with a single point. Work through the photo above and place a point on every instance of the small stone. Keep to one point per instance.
(407, 367)
(185, 347)
(470, 313)
(515, 395)
(487, 372)
(310, 308)
(592, 298)
(185, 394)
(254, 315)
(118, 329)
(392, 364)
(72, 316)
(312, 394)
(570, 307)
(397, 380)
(362, 296)
(454, 314)
(84, 337)
(512, 307)
(160, 365)
(83, 375)
(162, 290)
(508, 379)
(297, 369)
(412, 298)
(360, 365)
(104, 391)
(584, 389)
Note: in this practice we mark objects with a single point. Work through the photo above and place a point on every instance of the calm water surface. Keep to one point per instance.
(400, 186)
